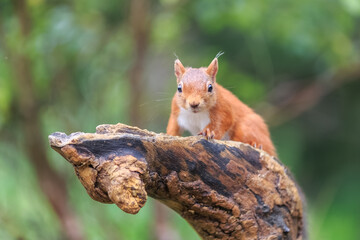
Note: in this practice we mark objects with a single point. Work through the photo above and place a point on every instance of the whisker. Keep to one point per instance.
(161, 99)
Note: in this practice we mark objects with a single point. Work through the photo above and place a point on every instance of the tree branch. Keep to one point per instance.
(140, 23)
(51, 183)
(224, 189)
(290, 101)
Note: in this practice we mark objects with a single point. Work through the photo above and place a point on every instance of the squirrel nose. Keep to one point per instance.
(194, 105)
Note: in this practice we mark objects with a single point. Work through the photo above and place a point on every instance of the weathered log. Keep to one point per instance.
(224, 189)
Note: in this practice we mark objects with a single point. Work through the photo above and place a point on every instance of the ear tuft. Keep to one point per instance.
(219, 54)
(179, 69)
(212, 68)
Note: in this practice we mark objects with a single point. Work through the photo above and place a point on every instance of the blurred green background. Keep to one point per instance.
(72, 65)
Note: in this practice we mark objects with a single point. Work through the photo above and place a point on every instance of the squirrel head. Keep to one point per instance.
(196, 89)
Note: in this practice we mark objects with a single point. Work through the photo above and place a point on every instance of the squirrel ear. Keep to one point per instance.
(212, 68)
(179, 69)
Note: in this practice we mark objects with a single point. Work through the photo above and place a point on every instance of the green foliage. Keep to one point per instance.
(24, 210)
(81, 53)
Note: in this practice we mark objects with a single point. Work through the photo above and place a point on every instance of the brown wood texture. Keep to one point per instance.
(224, 189)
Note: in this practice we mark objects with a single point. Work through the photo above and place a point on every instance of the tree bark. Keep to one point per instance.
(224, 189)
(51, 183)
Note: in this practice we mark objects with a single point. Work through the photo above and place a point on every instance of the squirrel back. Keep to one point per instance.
(201, 106)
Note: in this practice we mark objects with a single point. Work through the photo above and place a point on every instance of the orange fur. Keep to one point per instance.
(227, 115)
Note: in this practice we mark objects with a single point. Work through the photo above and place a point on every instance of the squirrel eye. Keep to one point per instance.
(179, 88)
(210, 88)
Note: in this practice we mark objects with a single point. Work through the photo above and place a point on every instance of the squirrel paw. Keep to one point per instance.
(208, 134)
(255, 146)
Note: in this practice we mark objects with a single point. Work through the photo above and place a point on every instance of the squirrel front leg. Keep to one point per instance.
(219, 125)
(173, 127)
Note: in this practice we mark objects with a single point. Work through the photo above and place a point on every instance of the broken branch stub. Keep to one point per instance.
(224, 189)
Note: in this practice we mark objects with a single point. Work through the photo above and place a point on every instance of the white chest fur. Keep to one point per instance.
(193, 122)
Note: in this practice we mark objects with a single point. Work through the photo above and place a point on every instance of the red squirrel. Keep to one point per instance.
(203, 107)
